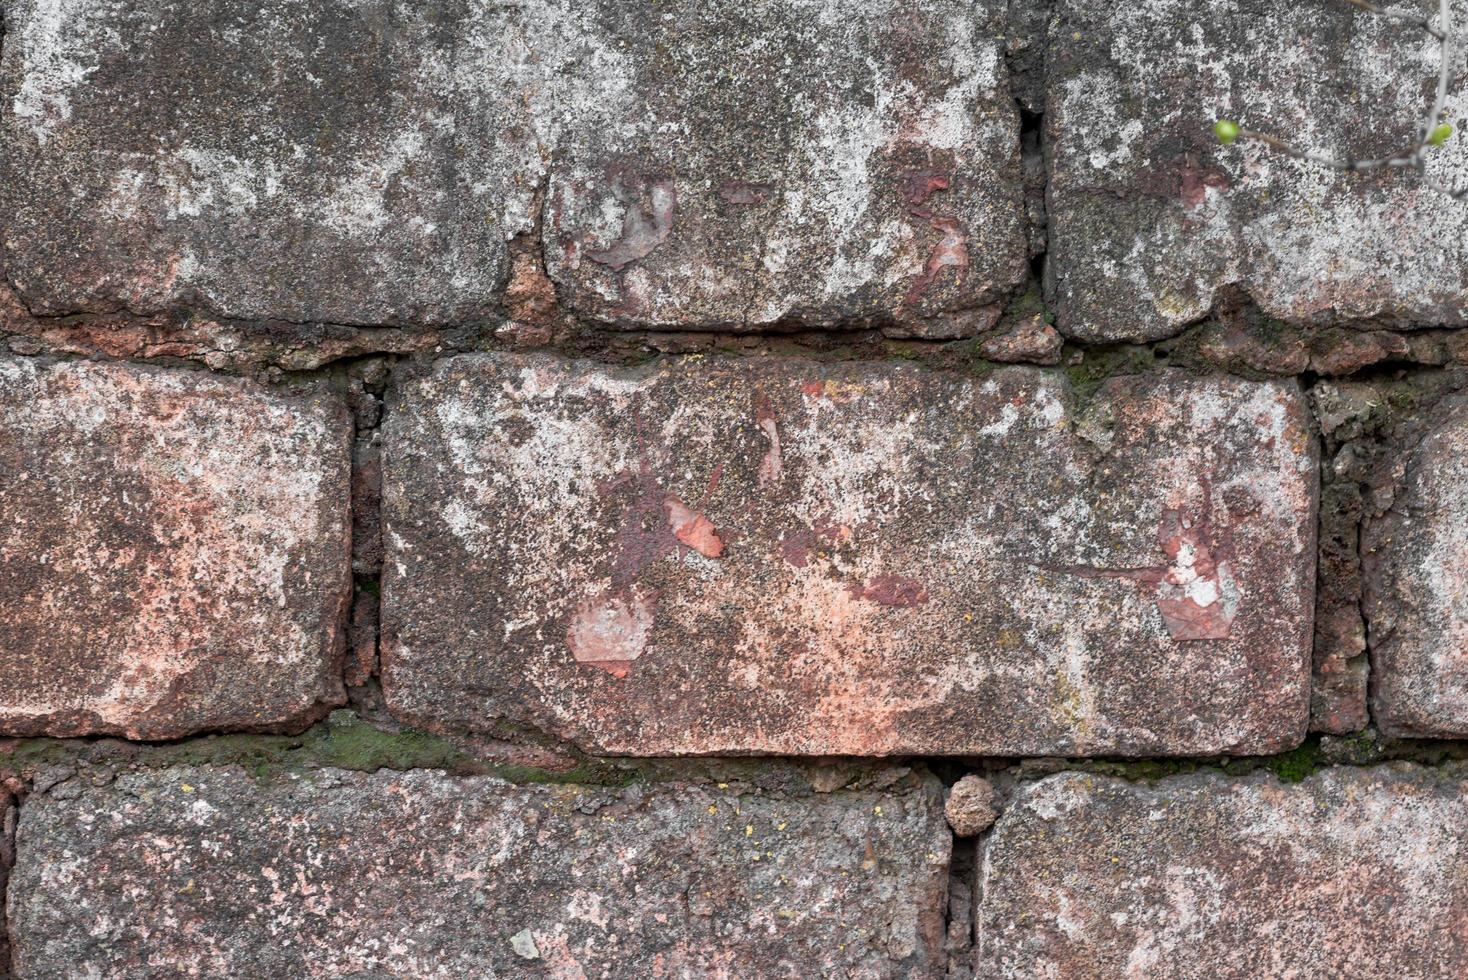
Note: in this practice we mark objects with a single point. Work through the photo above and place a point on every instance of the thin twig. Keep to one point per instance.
(1441, 188)
(1402, 158)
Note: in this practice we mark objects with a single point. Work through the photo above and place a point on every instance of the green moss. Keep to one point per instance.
(347, 742)
(1096, 364)
(904, 351)
(1297, 764)
(343, 741)
(1148, 770)
(1026, 304)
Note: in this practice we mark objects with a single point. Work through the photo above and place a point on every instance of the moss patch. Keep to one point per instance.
(343, 741)
(1295, 765)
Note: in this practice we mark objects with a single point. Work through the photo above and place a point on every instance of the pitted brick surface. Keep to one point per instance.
(767, 555)
(1351, 873)
(1416, 559)
(333, 874)
(1151, 220)
(331, 160)
(173, 551)
(815, 161)
(707, 164)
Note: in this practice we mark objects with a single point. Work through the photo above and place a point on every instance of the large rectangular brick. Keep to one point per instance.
(358, 162)
(707, 164)
(768, 555)
(209, 872)
(174, 551)
(793, 160)
(1151, 220)
(1416, 596)
(1351, 873)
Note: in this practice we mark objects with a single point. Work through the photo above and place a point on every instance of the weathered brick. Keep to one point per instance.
(767, 555)
(1416, 599)
(814, 161)
(715, 165)
(173, 551)
(334, 874)
(333, 160)
(1351, 873)
(1150, 218)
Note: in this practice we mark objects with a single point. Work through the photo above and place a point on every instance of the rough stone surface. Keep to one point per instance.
(970, 807)
(1032, 342)
(337, 874)
(768, 555)
(1351, 873)
(1150, 218)
(1416, 562)
(174, 551)
(365, 163)
(813, 161)
(333, 160)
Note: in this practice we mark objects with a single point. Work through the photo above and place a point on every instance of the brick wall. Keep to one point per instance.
(802, 488)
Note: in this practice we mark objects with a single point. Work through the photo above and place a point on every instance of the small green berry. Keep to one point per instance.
(1440, 135)
(1226, 130)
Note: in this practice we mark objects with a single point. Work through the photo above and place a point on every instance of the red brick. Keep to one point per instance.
(880, 559)
(368, 161)
(860, 164)
(1350, 873)
(174, 551)
(1416, 563)
(211, 872)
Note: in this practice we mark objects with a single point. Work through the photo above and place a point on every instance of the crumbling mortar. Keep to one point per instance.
(346, 740)
(262, 349)
(1026, 42)
(366, 381)
(1358, 750)
(8, 819)
(960, 902)
(980, 874)
(1371, 425)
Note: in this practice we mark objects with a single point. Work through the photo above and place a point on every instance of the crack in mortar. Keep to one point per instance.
(8, 820)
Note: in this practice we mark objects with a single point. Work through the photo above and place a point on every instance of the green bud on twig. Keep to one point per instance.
(1226, 130)
(1439, 135)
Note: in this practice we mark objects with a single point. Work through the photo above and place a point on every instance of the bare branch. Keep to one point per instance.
(1417, 20)
(1445, 69)
(1402, 158)
(1457, 195)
